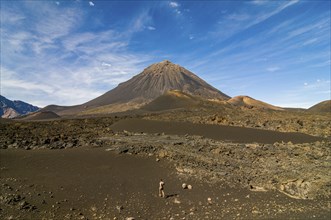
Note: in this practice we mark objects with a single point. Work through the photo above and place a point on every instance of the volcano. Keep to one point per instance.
(154, 81)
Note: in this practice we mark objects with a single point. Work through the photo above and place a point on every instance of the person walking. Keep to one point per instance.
(161, 189)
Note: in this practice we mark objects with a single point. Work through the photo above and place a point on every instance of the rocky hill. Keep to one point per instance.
(324, 106)
(11, 109)
(249, 102)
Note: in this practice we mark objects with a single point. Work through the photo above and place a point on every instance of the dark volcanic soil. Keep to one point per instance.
(216, 132)
(91, 169)
(94, 183)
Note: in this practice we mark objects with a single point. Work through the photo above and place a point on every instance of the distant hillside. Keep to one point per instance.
(249, 102)
(11, 109)
(41, 115)
(324, 106)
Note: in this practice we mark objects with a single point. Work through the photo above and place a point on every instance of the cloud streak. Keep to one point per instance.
(238, 22)
(65, 66)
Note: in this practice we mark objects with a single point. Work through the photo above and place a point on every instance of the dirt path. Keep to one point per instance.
(93, 183)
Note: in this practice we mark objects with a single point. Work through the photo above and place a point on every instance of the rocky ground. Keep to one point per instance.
(56, 134)
(56, 184)
(95, 172)
(317, 124)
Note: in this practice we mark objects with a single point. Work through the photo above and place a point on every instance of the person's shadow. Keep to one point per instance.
(171, 195)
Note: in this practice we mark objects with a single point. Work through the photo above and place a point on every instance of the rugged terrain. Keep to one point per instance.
(313, 123)
(92, 168)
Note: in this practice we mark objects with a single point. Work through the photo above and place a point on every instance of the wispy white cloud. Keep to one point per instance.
(238, 17)
(58, 23)
(269, 47)
(237, 22)
(273, 69)
(105, 64)
(264, 16)
(17, 40)
(10, 17)
(310, 41)
(91, 3)
(314, 31)
(141, 22)
(323, 84)
(83, 44)
(326, 63)
(281, 27)
(173, 4)
(11, 79)
(151, 28)
(258, 2)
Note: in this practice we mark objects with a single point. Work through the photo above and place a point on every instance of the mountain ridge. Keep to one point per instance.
(12, 109)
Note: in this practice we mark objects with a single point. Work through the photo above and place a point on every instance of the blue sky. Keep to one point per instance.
(69, 52)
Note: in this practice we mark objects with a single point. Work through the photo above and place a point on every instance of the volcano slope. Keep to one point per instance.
(85, 168)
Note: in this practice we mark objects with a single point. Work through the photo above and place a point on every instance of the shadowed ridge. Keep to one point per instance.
(41, 115)
(172, 99)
